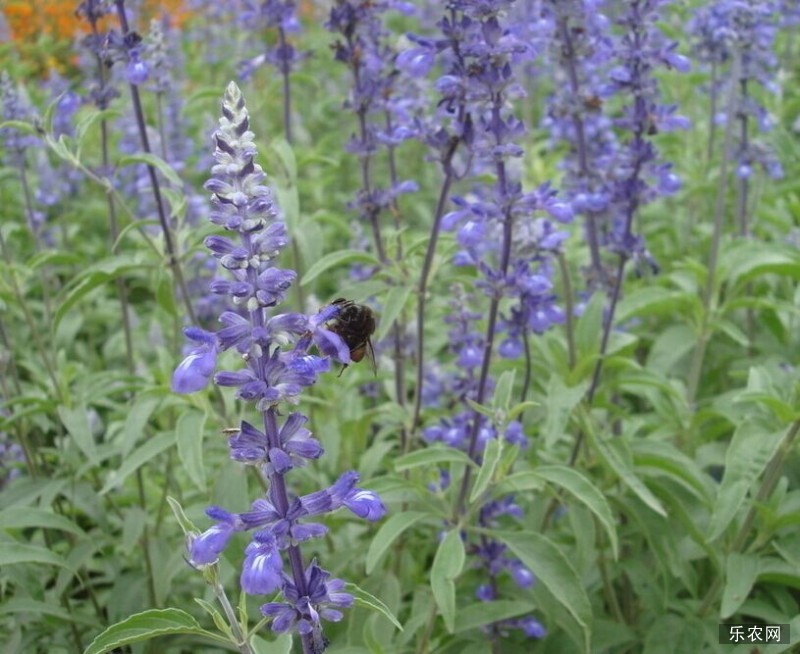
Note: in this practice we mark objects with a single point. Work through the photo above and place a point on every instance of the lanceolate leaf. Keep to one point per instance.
(552, 569)
(577, 485)
(147, 625)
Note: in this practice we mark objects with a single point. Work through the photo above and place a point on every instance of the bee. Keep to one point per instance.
(355, 324)
(593, 103)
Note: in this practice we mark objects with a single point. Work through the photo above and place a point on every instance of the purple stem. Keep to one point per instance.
(425, 275)
(638, 146)
(172, 258)
(743, 185)
(491, 327)
(580, 137)
(276, 479)
(399, 325)
(287, 97)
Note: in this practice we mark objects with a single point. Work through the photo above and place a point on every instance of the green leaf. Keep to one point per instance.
(284, 152)
(660, 458)
(650, 300)
(731, 330)
(491, 457)
(93, 278)
(216, 617)
(20, 125)
(554, 571)
(750, 450)
(156, 162)
(149, 450)
(189, 434)
(481, 614)
(177, 510)
(54, 258)
(27, 606)
(673, 634)
(146, 625)
(772, 570)
(746, 259)
(783, 411)
(610, 452)
(76, 420)
(393, 306)
(365, 599)
(12, 553)
(589, 328)
(27, 517)
(741, 571)
(519, 482)
(502, 392)
(86, 120)
(586, 493)
(483, 409)
(561, 401)
(431, 456)
(136, 419)
(388, 533)
(338, 258)
(447, 565)
(520, 407)
(670, 346)
(277, 645)
(165, 295)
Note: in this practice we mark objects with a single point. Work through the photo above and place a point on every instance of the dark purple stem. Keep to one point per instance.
(491, 327)
(425, 275)
(122, 289)
(172, 258)
(276, 479)
(639, 146)
(287, 93)
(743, 184)
(399, 327)
(580, 137)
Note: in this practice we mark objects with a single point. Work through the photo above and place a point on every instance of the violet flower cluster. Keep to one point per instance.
(581, 47)
(722, 31)
(508, 235)
(16, 143)
(12, 456)
(281, 15)
(385, 116)
(207, 16)
(609, 176)
(504, 232)
(639, 174)
(272, 374)
(491, 556)
(15, 107)
(96, 67)
(165, 61)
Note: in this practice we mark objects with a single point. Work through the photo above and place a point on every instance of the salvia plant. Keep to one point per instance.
(273, 377)
(500, 358)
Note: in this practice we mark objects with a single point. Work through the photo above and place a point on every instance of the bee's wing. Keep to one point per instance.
(371, 357)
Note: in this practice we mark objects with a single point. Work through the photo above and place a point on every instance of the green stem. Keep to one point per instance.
(768, 482)
(696, 366)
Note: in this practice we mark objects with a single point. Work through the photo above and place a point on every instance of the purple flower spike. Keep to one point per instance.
(277, 366)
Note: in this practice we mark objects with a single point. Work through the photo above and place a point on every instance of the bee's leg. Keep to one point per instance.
(344, 366)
